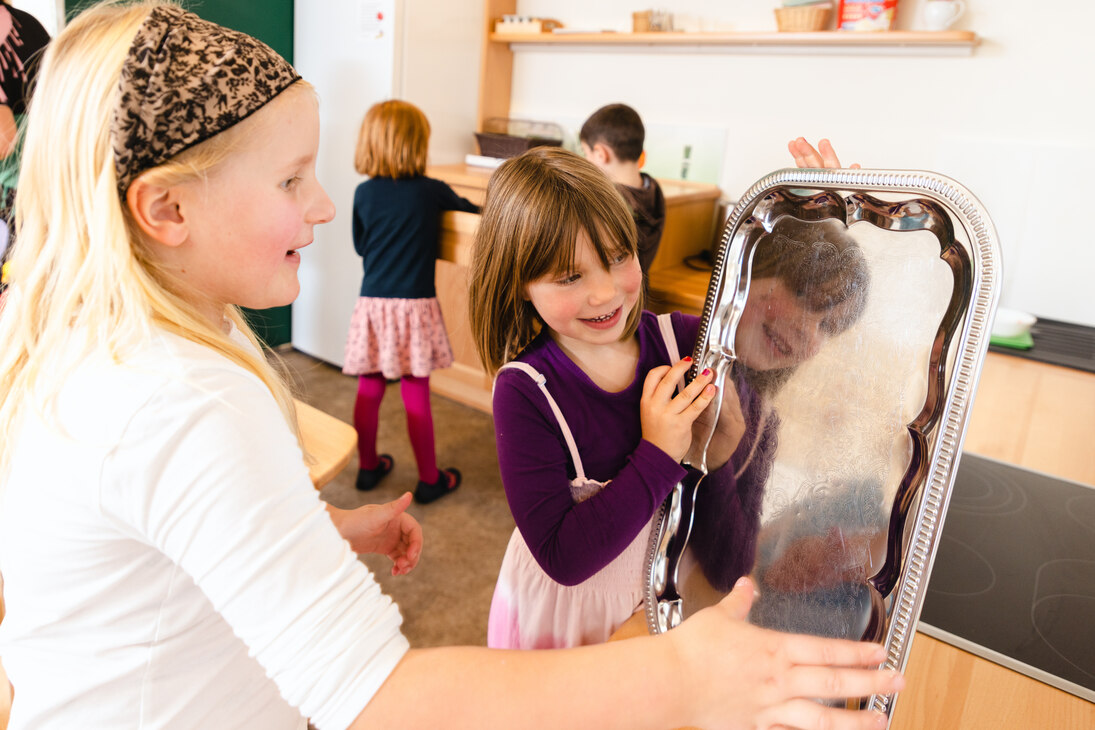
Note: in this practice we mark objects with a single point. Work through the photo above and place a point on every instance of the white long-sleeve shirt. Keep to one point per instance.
(168, 564)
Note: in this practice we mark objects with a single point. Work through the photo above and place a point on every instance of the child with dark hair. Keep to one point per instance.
(612, 139)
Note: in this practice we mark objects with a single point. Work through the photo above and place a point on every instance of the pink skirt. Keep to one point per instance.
(531, 611)
(396, 337)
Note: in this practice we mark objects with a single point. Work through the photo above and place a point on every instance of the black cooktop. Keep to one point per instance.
(1014, 576)
(1058, 343)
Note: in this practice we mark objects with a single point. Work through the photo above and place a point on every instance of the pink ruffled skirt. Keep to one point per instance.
(396, 337)
(531, 611)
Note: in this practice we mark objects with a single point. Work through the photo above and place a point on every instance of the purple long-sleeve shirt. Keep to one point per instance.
(572, 541)
(726, 517)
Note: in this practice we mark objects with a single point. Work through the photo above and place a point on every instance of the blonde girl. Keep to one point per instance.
(397, 331)
(166, 560)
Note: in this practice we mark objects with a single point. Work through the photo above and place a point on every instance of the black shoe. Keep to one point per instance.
(447, 481)
(368, 478)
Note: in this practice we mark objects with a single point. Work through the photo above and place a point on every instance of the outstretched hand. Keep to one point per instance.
(824, 156)
(384, 529)
(768, 679)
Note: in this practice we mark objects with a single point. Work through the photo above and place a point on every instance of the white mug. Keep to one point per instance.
(939, 14)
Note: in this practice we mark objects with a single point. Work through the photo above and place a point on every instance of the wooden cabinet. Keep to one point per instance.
(465, 382)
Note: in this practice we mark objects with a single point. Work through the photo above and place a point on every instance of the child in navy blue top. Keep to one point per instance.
(397, 330)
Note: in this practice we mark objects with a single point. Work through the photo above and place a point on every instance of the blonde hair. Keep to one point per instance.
(81, 270)
(393, 141)
(536, 206)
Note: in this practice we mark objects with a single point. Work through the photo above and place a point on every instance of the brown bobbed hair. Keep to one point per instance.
(536, 205)
(393, 141)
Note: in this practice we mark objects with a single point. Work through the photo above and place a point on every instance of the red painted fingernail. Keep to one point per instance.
(706, 371)
(686, 358)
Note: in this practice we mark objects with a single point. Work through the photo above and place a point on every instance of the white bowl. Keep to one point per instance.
(1012, 323)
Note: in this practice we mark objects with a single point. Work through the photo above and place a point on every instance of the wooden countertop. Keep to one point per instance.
(471, 176)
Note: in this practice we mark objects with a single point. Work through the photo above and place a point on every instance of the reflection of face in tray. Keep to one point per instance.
(777, 329)
(808, 282)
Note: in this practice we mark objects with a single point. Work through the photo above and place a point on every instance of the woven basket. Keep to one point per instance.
(803, 17)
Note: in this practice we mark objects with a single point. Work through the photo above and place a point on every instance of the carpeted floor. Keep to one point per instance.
(446, 599)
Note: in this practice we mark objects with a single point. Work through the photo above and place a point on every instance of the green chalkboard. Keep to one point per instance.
(271, 21)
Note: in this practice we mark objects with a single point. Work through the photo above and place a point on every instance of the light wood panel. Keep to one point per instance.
(495, 65)
(950, 689)
(960, 39)
(1034, 415)
(328, 441)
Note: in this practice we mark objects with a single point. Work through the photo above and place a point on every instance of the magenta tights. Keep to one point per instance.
(416, 401)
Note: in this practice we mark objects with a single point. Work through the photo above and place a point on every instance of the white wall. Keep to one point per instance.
(440, 71)
(1012, 121)
(48, 12)
(358, 53)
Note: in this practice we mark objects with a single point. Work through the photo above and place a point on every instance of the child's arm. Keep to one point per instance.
(449, 200)
(726, 517)
(714, 671)
(384, 529)
(572, 541)
(357, 221)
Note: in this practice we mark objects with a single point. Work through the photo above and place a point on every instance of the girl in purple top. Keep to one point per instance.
(576, 425)
(556, 284)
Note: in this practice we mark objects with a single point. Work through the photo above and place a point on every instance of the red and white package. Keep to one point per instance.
(870, 15)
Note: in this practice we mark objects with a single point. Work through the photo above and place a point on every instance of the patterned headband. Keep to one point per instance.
(185, 80)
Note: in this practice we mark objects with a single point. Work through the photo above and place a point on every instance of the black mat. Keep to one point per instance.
(1058, 343)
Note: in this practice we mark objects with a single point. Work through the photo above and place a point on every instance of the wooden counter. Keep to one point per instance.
(690, 213)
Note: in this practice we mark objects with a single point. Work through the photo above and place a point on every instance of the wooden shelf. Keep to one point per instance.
(951, 42)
